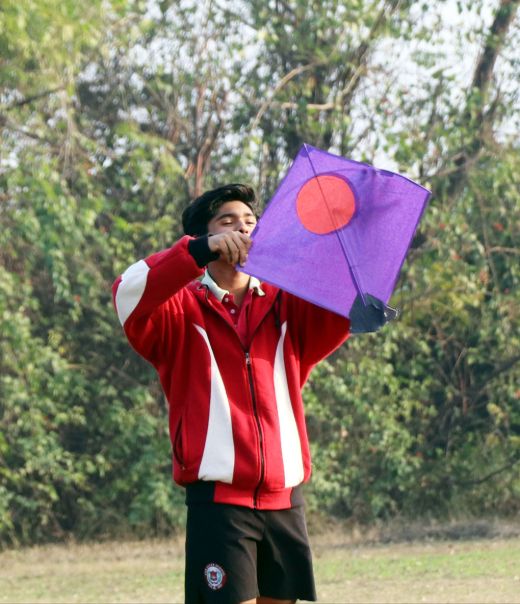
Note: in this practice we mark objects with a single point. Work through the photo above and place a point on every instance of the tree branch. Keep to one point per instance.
(481, 82)
(506, 365)
(30, 99)
(286, 79)
(494, 42)
(513, 460)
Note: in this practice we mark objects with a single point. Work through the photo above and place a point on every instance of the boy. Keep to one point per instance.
(232, 355)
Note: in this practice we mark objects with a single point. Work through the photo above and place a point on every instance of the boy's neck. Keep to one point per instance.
(227, 277)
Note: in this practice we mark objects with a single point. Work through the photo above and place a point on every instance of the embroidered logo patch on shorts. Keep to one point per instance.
(215, 576)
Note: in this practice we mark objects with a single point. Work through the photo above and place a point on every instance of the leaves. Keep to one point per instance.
(114, 114)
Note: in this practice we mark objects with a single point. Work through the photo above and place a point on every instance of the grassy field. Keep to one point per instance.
(347, 570)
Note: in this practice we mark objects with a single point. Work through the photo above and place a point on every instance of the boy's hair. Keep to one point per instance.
(201, 210)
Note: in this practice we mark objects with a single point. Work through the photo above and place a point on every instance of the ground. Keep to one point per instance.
(443, 565)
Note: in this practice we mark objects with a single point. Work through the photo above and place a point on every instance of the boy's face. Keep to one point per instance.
(232, 216)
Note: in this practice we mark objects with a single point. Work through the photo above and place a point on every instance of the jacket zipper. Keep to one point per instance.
(259, 427)
(255, 408)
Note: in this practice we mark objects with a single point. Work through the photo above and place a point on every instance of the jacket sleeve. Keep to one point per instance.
(316, 332)
(142, 290)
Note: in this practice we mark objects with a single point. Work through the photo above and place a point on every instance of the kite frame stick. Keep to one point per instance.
(338, 229)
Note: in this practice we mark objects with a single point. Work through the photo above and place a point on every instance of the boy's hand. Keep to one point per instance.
(232, 246)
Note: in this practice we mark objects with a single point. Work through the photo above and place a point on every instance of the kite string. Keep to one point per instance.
(337, 229)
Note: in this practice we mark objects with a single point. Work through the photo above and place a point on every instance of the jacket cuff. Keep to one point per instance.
(199, 249)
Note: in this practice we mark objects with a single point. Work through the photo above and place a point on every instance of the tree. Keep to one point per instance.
(115, 114)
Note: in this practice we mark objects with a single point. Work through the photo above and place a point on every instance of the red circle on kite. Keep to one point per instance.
(325, 203)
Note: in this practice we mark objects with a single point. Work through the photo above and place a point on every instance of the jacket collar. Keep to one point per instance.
(260, 308)
(219, 293)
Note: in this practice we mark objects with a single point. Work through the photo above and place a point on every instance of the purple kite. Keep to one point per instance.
(336, 233)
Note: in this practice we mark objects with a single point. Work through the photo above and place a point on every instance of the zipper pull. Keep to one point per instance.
(248, 359)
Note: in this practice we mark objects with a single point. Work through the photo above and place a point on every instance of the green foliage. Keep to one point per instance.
(114, 114)
(84, 442)
(41, 44)
(425, 416)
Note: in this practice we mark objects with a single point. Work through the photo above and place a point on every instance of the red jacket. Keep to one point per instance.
(236, 416)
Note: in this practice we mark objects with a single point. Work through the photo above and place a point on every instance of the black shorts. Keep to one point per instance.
(234, 553)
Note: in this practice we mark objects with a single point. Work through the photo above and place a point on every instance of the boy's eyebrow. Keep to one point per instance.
(234, 215)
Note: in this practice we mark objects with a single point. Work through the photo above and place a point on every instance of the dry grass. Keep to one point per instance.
(347, 570)
(474, 571)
